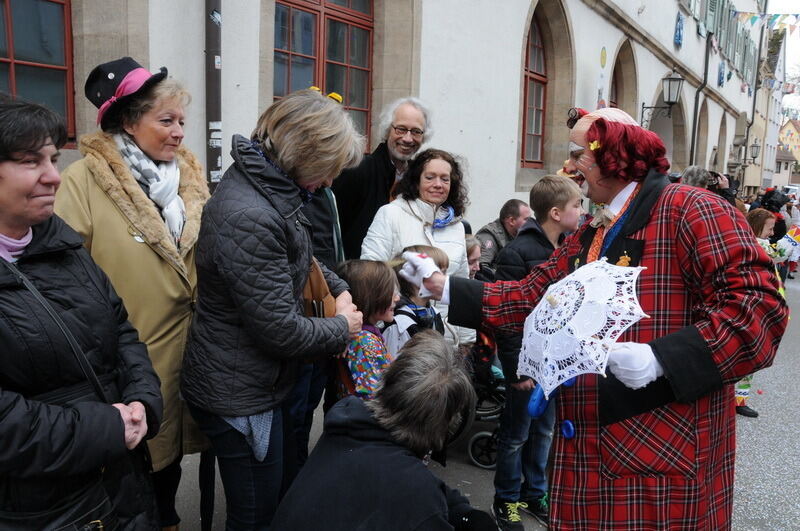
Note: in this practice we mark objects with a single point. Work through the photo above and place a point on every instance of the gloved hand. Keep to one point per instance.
(418, 267)
(634, 364)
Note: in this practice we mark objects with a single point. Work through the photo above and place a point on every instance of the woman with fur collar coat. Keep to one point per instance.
(136, 198)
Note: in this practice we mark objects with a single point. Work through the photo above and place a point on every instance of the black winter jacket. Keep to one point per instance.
(253, 257)
(358, 478)
(360, 192)
(49, 452)
(530, 248)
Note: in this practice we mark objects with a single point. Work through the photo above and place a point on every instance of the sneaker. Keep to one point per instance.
(507, 516)
(539, 508)
(747, 411)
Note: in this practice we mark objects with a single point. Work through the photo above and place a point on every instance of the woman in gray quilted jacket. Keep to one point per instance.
(253, 257)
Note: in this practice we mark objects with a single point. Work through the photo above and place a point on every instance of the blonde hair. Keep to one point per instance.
(471, 242)
(310, 136)
(439, 257)
(552, 191)
(166, 90)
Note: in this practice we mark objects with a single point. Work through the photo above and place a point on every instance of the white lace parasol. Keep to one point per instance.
(574, 325)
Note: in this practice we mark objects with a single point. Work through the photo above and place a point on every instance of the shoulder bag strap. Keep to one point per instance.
(80, 356)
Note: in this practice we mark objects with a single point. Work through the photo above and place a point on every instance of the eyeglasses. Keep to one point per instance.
(415, 133)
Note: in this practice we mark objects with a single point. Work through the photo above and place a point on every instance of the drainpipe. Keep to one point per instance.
(755, 94)
(213, 12)
(697, 100)
(213, 16)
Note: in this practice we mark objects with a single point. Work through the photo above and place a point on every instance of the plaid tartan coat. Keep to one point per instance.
(661, 457)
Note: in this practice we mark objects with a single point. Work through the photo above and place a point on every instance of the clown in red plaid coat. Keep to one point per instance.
(651, 446)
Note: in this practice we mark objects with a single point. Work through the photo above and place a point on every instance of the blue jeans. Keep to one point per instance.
(523, 449)
(252, 488)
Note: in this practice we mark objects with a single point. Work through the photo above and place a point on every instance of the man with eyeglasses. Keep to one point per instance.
(361, 191)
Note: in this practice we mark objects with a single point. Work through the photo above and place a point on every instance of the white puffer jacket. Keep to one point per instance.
(405, 222)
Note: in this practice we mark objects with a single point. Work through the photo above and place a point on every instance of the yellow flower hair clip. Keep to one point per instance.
(335, 96)
(594, 145)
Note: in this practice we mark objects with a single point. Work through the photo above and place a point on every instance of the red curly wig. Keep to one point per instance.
(626, 151)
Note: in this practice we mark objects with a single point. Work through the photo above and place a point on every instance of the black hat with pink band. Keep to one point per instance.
(111, 86)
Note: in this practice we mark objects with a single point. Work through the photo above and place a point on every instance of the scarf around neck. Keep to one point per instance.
(160, 181)
(10, 248)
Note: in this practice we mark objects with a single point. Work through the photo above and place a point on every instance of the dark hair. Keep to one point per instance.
(423, 393)
(511, 208)
(408, 187)
(25, 128)
(774, 200)
(372, 284)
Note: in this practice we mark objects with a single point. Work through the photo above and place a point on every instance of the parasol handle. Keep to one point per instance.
(552, 300)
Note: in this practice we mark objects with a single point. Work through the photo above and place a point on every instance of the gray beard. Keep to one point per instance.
(399, 156)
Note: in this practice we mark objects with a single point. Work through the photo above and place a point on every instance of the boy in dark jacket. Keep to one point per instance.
(524, 443)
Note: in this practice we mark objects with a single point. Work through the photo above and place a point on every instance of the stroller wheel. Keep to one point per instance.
(482, 449)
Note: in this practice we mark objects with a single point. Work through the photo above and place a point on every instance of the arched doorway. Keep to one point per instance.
(672, 130)
(623, 89)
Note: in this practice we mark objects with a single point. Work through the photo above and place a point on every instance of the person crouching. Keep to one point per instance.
(368, 469)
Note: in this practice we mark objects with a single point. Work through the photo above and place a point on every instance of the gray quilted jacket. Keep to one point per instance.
(253, 256)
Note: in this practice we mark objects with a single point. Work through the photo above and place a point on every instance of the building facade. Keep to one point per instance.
(499, 76)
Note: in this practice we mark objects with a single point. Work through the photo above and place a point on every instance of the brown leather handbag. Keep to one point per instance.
(317, 298)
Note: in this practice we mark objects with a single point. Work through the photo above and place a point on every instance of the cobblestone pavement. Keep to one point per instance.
(767, 490)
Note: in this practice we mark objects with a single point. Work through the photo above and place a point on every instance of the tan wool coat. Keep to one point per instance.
(127, 237)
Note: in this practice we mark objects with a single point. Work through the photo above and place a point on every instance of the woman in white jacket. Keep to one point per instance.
(427, 211)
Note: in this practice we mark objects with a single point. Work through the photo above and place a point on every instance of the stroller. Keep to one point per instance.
(489, 385)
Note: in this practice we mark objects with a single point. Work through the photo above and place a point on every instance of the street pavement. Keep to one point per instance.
(767, 489)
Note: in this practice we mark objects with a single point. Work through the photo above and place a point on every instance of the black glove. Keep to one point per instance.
(476, 520)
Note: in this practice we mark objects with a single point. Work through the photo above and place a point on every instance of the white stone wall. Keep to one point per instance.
(470, 74)
(177, 41)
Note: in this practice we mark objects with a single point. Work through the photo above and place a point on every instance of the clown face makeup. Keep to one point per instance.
(583, 166)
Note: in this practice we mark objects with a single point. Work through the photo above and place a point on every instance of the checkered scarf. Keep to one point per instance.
(161, 182)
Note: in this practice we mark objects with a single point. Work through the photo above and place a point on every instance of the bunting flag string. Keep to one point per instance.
(773, 84)
(789, 21)
(791, 113)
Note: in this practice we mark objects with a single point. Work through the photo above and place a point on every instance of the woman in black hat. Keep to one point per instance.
(136, 197)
